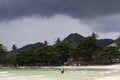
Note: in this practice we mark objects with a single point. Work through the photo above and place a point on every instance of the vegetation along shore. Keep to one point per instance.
(75, 50)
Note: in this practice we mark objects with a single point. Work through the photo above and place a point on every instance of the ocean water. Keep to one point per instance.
(55, 74)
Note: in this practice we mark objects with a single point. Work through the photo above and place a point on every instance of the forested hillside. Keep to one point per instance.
(75, 47)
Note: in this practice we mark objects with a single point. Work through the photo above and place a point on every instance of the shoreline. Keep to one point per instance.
(115, 66)
(109, 67)
(110, 78)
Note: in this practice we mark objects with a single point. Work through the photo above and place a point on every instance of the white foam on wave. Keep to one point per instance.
(5, 72)
(106, 72)
(32, 77)
(37, 76)
(5, 75)
(110, 78)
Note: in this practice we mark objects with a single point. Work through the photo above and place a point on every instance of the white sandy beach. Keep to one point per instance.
(115, 67)
(110, 78)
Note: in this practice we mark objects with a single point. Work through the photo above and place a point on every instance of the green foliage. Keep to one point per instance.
(63, 49)
(86, 50)
(118, 42)
(45, 43)
(109, 54)
(14, 47)
(74, 38)
(26, 57)
(2, 54)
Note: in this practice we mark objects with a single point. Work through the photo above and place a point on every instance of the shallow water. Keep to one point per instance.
(50, 74)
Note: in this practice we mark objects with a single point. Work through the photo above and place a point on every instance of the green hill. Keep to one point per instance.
(74, 37)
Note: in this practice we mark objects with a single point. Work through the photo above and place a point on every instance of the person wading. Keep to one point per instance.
(62, 70)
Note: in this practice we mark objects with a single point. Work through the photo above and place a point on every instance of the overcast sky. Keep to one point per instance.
(29, 21)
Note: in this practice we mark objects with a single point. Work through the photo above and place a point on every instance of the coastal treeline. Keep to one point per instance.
(87, 51)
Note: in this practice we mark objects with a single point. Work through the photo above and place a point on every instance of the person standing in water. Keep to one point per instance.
(62, 70)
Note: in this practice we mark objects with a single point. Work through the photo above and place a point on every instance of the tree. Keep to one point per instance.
(63, 49)
(48, 55)
(2, 54)
(42, 55)
(110, 53)
(14, 47)
(118, 42)
(58, 40)
(11, 58)
(26, 57)
(87, 48)
(45, 43)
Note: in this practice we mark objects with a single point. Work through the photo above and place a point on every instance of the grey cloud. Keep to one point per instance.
(105, 24)
(12, 9)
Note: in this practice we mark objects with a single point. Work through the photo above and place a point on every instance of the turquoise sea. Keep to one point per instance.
(55, 74)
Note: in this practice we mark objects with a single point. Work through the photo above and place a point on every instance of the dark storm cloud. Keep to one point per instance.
(12, 9)
(105, 24)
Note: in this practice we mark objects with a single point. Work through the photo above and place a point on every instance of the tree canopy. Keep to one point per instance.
(86, 50)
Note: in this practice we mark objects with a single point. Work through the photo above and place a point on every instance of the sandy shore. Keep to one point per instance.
(117, 66)
(110, 78)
